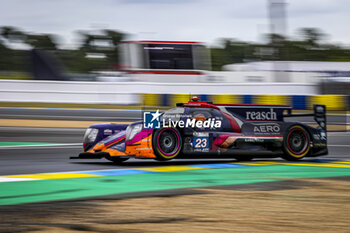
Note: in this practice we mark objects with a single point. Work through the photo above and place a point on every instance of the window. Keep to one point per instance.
(168, 56)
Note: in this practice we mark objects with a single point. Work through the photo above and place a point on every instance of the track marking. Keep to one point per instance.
(218, 165)
(169, 168)
(11, 179)
(342, 162)
(117, 172)
(161, 169)
(54, 145)
(97, 187)
(64, 172)
(54, 176)
(306, 164)
(250, 163)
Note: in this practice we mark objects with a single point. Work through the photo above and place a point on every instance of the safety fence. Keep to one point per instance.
(299, 95)
(333, 102)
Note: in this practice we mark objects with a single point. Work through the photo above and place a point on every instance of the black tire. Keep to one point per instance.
(296, 143)
(116, 159)
(167, 143)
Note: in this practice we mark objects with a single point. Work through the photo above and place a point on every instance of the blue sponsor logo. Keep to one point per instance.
(151, 120)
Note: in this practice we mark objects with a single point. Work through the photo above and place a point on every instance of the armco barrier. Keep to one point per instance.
(299, 95)
(333, 102)
(69, 92)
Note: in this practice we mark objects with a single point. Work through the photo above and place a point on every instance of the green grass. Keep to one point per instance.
(16, 76)
(61, 189)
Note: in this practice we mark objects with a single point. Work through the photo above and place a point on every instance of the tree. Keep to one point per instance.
(12, 34)
(312, 36)
(115, 37)
(12, 59)
(43, 41)
(92, 44)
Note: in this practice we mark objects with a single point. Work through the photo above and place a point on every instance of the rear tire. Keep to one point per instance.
(296, 143)
(167, 143)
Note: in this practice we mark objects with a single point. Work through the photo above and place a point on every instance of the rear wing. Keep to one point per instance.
(319, 115)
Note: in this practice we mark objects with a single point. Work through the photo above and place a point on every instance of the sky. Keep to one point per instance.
(192, 20)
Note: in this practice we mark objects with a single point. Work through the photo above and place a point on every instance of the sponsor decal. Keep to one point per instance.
(201, 134)
(107, 132)
(200, 142)
(267, 129)
(320, 144)
(253, 140)
(143, 148)
(261, 115)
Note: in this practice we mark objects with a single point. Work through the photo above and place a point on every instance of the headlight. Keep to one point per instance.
(90, 135)
(132, 130)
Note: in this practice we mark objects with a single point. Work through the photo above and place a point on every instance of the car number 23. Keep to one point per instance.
(200, 142)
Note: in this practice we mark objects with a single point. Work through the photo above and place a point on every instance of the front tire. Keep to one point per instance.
(296, 143)
(167, 143)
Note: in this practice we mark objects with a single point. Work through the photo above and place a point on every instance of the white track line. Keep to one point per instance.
(10, 179)
(55, 145)
(340, 145)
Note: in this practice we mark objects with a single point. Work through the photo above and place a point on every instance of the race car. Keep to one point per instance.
(199, 129)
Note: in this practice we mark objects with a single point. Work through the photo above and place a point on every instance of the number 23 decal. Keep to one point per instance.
(200, 143)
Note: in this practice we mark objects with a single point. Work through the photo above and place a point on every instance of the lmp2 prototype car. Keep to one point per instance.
(199, 129)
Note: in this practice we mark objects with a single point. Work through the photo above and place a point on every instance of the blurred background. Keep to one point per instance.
(65, 65)
(156, 53)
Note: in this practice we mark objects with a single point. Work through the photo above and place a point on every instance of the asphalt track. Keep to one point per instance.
(28, 150)
(22, 159)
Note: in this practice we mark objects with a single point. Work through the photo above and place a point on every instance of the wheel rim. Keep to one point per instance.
(168, 142)
(297, 141)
